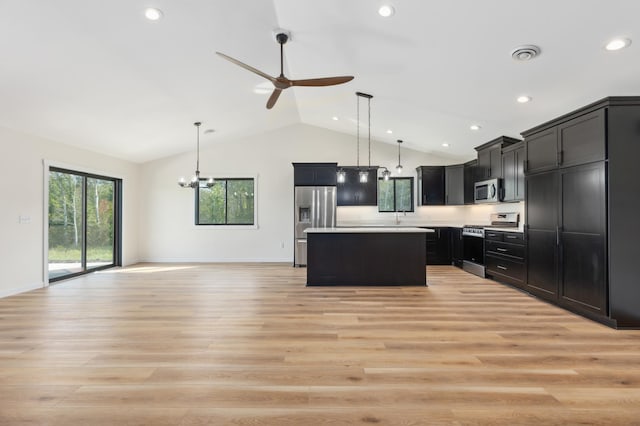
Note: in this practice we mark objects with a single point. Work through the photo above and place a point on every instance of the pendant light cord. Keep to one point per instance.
(358, 131)
(369, 103)
(399, 142)
(197, 148)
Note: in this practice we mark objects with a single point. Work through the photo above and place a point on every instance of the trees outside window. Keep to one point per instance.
(230, 201)
(395, 194)
(83, 222)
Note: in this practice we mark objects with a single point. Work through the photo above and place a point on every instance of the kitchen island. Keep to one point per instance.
(365, 256)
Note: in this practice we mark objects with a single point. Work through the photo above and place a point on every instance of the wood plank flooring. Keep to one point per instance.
(249, 344)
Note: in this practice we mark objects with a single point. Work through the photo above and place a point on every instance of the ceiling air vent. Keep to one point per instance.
(525, 53)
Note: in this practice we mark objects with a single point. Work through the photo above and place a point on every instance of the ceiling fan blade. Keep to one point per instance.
(247, 67)
(327, 81)
(273, 98)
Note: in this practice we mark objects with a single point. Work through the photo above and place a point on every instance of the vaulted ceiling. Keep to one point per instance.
(99, 75)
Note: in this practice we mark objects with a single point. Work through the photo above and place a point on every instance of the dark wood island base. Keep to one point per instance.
(366, 257)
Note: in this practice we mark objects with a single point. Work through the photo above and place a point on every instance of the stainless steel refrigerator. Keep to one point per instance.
(315, 207)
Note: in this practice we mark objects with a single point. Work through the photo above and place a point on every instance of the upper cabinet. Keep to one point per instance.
(513, 172)
(431, 186)
(352, 192)
(470, 174)
(580, 140)
(314, 174)
(454, 185)
(490, 158)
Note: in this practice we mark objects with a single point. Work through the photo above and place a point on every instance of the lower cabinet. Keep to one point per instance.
(457, 249)
(439, 246)
(504, 257)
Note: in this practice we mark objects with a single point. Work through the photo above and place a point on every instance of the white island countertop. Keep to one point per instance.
(368, 230)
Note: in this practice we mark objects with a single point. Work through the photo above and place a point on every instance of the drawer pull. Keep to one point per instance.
(511, 237)
(502, 267)
(501, 249)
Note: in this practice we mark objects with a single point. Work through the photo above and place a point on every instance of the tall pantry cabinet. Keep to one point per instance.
(582, 199)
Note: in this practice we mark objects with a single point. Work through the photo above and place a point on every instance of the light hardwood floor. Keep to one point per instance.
(249, 344)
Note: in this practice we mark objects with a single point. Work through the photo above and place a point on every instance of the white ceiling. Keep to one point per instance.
(97, 74)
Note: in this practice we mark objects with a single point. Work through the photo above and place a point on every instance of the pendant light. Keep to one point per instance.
(195, 179)
(386, 174)
(399, 166)
(364, 174)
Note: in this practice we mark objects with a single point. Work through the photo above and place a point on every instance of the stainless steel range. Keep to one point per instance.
(473, 248)
(473, 241)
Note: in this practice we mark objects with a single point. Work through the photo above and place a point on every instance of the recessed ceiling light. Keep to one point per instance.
(618, 43)
(524, 99)
(475, 127)
(334, 118)
(153, 14)
(386, 10)
(446, 145)
(389, 131)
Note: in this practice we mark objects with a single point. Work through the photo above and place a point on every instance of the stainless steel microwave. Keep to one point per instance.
(487, 191)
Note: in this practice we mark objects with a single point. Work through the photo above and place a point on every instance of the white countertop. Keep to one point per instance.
(516, 230)
(368, 230)
(402, 224)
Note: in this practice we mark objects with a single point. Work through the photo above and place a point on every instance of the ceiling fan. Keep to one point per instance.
(281, 82)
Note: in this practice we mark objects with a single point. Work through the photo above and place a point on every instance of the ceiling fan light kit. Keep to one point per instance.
(281, 82)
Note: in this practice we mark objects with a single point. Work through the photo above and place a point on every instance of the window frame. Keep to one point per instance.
(117, 225)
(394, 179)
(226, 225)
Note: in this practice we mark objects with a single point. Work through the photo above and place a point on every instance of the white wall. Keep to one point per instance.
(167, 227)
(22, 188)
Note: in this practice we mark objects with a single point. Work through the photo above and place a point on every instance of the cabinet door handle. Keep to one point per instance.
(525, 165)
(557, 235)
(501, 249)
(502, 267)
(559, 157)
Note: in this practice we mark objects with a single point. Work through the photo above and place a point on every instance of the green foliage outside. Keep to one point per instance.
(395, 195)
(228, 202)
(66, 218)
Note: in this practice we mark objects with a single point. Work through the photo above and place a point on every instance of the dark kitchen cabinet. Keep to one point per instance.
(542, 213)
(457, 248)
(505, 257)
(582, 237)
(581, 196)
(470, 178)
(314, 174)
(439, 246)
(431, 186)
(490, 158)
(454, 185)
(513, 172)
(352, 192)
(580, 140)
(541, 151)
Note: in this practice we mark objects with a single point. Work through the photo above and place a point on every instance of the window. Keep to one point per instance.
(395, 194)
(84, 223)
(230, 201)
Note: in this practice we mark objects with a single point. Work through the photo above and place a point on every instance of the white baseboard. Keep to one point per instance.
(201, 260)
(17, 290)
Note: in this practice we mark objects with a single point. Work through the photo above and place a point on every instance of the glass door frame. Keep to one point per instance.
(117, 221)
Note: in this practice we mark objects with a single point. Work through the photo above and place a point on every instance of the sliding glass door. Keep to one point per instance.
(84, 218)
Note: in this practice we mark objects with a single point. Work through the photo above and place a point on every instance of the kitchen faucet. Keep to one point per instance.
(404, 213)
